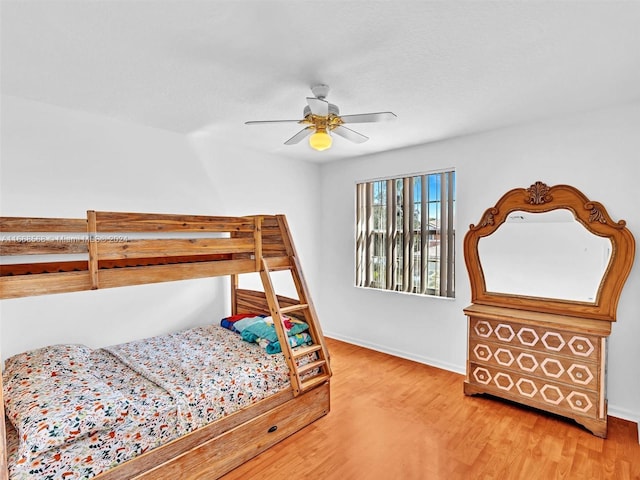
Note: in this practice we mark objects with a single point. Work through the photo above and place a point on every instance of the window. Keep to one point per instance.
(405, 234)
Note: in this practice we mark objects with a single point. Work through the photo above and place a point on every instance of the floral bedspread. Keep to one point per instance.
(207, 375)
(165, 386)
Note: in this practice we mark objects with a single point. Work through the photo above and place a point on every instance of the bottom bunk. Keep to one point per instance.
(193, 404)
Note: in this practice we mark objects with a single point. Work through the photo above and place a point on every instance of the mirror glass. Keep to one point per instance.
(549, 255)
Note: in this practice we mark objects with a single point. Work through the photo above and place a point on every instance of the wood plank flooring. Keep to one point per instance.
(395, 419)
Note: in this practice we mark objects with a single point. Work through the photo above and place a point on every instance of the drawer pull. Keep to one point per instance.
(578, 374)
(580, 347)
(579, 403)
(273, 429)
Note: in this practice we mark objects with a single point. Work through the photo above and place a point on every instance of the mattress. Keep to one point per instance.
(126, 399)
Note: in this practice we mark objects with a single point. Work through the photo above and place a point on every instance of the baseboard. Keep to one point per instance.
(613, 411)
(397, 353)
(625, 414)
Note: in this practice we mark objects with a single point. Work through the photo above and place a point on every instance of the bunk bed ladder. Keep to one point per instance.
(320, 365)
(303, 376)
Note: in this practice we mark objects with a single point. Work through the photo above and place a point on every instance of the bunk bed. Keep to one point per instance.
(111, 249)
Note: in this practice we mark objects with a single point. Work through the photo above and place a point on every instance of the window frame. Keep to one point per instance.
(396, 202)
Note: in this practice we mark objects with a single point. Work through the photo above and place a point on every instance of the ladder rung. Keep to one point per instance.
(310, 366)
(306, 385)
(294, 308)
(302, 351)
(277, 263)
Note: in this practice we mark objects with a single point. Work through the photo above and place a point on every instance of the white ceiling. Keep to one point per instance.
(446, 68)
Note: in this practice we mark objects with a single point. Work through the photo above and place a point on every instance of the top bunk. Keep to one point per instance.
(111, 249)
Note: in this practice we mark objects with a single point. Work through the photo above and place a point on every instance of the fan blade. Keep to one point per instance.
(305, 132)
(368, 117)
(255, 122)
(318, 107)
(350, 134)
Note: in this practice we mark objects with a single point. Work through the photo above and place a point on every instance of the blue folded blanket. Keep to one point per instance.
(267, 330)
(294, 340)
(263, 332)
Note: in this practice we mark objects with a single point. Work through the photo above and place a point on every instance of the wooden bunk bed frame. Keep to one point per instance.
(132, 248)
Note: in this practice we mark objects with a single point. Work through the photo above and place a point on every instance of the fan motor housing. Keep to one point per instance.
(333, 110)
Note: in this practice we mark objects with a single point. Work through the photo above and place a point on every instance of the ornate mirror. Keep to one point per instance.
(549, 249)
(549, 255)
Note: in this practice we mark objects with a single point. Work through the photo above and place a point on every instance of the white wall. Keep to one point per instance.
(596, 152)
(60, 163)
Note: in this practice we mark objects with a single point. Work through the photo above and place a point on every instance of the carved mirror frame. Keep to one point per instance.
(540, 198)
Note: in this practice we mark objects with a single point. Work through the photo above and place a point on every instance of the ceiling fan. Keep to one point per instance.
(322, 118)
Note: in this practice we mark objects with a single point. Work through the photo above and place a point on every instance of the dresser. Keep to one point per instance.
(545, 352)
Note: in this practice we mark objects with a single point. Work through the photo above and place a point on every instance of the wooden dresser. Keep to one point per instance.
(547, 353)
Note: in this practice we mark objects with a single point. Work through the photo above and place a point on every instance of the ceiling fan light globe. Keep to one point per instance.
(320, 141)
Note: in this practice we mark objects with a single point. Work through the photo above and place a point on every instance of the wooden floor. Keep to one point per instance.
(394, 419)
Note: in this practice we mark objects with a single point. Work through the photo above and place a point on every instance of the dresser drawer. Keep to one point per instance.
(534, 391)
(572, 371)
(546, 340)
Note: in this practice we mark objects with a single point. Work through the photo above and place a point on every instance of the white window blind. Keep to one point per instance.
(405, 234)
